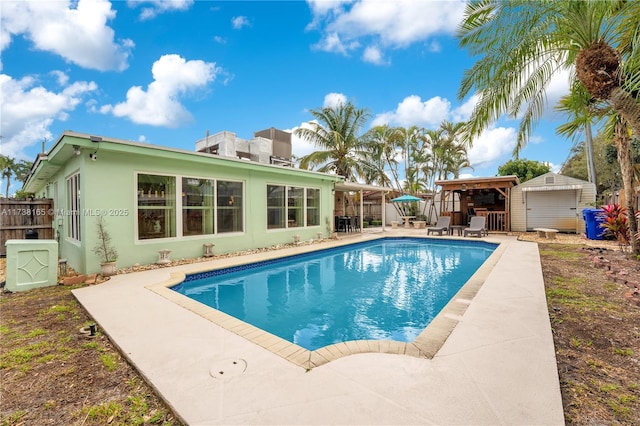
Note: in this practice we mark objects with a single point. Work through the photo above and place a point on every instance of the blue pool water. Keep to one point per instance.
(388, 289)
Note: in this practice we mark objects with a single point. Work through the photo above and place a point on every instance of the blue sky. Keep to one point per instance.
(166, 72)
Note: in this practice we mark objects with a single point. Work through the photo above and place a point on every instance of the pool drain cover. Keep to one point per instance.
(226, 368)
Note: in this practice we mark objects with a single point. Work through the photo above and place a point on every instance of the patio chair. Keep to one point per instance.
(441, 226)
(477, 226)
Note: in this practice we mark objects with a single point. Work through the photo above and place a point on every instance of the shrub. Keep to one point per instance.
(616, 224)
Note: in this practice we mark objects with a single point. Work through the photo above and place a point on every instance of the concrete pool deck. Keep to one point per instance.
(497, 366)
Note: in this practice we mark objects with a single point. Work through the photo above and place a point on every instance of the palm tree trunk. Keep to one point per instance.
(591, 168)
(626, 169)
(628, 107)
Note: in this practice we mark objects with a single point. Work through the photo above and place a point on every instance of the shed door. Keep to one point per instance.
(552, 209)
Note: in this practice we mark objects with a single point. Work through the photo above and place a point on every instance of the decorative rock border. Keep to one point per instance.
(621, 276)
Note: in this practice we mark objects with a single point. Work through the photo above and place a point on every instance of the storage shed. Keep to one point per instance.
(551, 201)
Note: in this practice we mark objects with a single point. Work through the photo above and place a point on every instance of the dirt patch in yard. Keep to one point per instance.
(596, 330)
(53, 374)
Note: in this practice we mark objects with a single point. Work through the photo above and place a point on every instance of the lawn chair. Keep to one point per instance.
(477, 226)
(441, 226)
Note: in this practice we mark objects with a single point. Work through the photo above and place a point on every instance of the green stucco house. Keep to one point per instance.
(232, 193)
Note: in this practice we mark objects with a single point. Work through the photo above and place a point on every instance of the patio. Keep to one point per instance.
(497, 366)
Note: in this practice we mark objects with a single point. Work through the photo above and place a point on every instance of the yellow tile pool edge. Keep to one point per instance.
(426, 345)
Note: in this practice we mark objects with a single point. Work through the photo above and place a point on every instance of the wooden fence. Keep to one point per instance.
(19, 216)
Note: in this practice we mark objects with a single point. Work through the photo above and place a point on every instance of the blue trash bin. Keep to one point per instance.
(593, 218)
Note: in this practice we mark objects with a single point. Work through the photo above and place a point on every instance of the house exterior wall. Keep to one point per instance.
(109, 188)
(585, 198)
(56, 189)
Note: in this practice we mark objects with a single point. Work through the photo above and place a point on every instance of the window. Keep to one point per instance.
(313, 207)
(197, 206)
(295, 204)
(156, 206)
(73, 207)
(295, 207)
(275, 207)
(230, 207)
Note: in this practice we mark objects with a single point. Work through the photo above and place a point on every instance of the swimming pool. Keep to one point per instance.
(387, 289)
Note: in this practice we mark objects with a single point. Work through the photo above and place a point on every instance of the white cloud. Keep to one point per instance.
(558, 87)
(333, 43)
(323, 7)
(159, 6)
(29, 110)
(393, 24)
(239, 22)
(78, 34)
(463, 112)
(373, 55)
(173, 77)
(413, 111)
(299, 146)
(434, 46)
(220, 39)
(492, 145)
(332, 100)
(555, 168)
(63, 79)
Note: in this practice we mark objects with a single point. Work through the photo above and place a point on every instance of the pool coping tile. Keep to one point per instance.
(453, 373)
(426, 345)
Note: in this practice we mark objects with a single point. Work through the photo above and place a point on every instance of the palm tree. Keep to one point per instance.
(22, 169)
(337, 134)
(580, 106)
(522, 44)
(411, 142)
(380, 142)
(7, 165)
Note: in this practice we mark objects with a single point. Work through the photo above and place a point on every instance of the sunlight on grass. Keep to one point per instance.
(36, 332)
(21, 356)
(562, 254)
(13, 418)
(595, 363)
(110, 361)
(619, 409)
(608, 387)
(90, 345)
(104, 413)
(578, 343)
(569, 291)
(623, 352)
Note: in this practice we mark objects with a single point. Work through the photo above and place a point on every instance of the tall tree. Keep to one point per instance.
(8, 166)
(337, 135)
(583, 110)
(411, 143)
(522, 44)
(524, 169)
(608, 171)
(22, 169)
(381, 144)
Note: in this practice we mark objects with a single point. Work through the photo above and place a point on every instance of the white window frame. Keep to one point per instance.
(74, 230)
(286, 206)
(179, 207)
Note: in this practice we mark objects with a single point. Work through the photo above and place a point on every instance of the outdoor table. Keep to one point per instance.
(344, 223)
(457, 228)
(406, 220)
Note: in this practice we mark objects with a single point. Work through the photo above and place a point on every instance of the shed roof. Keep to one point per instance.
(478, 183)
(553, 182)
